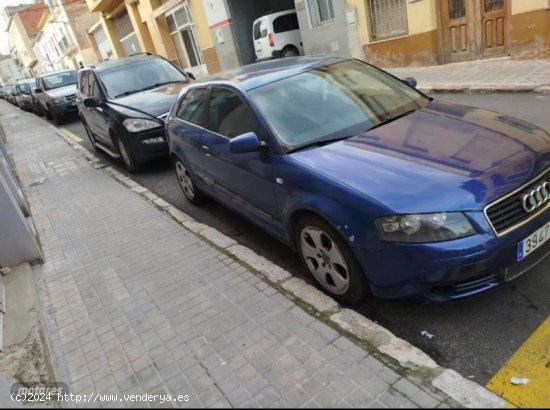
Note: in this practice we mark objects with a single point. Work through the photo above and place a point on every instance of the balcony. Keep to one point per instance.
(102, 6)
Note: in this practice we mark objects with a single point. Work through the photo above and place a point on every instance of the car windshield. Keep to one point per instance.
(59, 80)
(333, 102)
(132, 78)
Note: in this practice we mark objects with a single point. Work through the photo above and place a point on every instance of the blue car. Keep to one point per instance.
(378, 187)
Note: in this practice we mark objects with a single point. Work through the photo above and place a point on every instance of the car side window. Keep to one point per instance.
(288, 22)
(229, 116)
(83, 86)
(93, 86)
(193, 106)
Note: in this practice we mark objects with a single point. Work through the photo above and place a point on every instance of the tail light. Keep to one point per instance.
(271, 39)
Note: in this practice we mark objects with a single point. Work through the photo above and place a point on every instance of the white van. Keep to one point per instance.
(277, 35)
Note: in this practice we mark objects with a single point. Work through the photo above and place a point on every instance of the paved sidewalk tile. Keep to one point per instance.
(134, 303)
(498, 74)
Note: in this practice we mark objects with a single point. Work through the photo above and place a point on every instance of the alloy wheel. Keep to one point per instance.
(185, 181)
(325, 260)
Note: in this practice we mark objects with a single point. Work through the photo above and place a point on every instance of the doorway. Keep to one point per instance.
(181, 26)
(474, 29)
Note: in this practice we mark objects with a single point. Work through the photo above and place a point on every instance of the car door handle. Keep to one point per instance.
(206, 150)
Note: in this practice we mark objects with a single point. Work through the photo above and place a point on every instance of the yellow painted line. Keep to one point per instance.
(531, 361)
(70, 135)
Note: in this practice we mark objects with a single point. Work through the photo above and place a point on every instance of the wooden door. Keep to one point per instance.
(473, 29)
(494, 27)
(458, 31)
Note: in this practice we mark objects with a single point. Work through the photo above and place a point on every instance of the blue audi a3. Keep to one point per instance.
(378, 187)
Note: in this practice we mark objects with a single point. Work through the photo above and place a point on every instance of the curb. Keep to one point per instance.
(435, 378)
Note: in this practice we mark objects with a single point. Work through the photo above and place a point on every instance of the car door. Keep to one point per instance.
(244, 180)
(185, 130)
(99, 116)
(261, 42)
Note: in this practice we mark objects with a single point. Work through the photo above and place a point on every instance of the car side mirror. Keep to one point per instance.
(190, 75)
(38, 90)
(91, 102)
(247, 142)
(410, 81)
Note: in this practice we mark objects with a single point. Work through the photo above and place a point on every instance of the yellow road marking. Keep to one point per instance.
(531, 361)
(70, 135)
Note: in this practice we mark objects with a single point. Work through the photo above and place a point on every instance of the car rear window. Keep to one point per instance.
(288, 22)
(260, 29)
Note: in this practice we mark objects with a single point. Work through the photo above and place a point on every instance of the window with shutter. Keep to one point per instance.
(387, 18)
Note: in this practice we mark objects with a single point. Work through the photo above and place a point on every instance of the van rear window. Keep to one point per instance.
(288, 22)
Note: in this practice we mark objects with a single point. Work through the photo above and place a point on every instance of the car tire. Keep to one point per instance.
(290, 51)
(329, 260)
(38, 110)
(57, 118)
(91, 136)
(47, 113)
(187, 184)
(129, 160)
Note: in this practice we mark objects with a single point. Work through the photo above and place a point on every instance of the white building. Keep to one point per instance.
(9, 71)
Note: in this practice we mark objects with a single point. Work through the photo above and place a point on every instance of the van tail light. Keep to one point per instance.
(271, 40)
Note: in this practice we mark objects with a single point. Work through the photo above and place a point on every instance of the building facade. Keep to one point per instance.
(21, 26)
(175, 29)
(62, 41)
(205, 36)
(9, 72)
(426, 32)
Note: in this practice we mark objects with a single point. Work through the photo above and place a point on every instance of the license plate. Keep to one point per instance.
(533, 241)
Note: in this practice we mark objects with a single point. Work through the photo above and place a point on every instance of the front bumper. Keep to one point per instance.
(143, 151)
(64, 108)
(452, 270)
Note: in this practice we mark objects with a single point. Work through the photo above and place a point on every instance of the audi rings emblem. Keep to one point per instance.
(536, 198)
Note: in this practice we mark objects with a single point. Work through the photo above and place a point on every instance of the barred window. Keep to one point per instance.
(387, 18)
(320, 12)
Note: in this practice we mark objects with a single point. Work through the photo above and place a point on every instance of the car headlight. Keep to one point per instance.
(140, 124)
(58, 100)
(417, 228)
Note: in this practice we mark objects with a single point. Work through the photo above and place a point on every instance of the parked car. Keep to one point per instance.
(123, 103)
(8, 93)
(277, 35)
(377, 186)
(24, 97)
(55, 93)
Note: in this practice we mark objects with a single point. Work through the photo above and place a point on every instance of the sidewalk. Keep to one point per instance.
(499, 74)
(134, 303)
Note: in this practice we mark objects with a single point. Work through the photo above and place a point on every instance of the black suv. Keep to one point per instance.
(123, 103)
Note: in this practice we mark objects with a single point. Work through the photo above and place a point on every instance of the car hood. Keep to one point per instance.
(61, 91)
(444, 157)
(155, 102)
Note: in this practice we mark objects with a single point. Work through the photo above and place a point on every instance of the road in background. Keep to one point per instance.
(475, 337)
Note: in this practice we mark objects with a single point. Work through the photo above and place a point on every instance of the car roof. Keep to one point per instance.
(120, 62)
(255, 75)
(273, 16)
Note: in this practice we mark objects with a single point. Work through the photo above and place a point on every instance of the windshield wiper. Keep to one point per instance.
(125, 93)
(390, 119)
(160, 84)
(319, 143)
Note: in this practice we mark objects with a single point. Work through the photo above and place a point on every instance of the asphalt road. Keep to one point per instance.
(475, 337)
